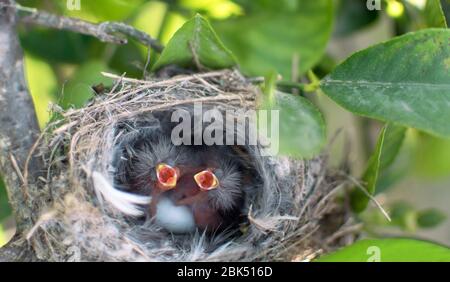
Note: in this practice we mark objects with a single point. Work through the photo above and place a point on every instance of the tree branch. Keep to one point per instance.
(19, 128)
(111, 32)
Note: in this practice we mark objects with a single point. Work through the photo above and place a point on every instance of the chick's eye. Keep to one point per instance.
(206, 180)
(167, 176)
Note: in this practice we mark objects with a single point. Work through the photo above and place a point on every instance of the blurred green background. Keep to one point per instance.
(291, 36)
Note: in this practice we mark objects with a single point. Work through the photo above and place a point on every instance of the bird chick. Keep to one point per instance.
(191, 187)
(208, 186)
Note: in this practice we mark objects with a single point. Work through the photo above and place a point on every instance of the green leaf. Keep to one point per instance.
(103, 10)
(43, 84)
(78, 90)
(196, 41)
(400, 167)
(390, 250)
(270, 84)
(387, 148)
(445, 4)
(359, 199)
(430, 218)
(409, 219)
(393, 141)
(301, 126)
(404, 216)
(57, 45)
(272, 32)
(353, 15)
(128, 59)
(5, 209)
(434, 16)
(405, 80)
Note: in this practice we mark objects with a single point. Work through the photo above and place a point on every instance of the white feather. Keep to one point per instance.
(176, 219)
(127, 203)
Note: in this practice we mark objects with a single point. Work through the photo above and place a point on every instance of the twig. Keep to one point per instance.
(147, 63)
(111, 32)
(42, 220)
(363, 189)
(143, 110)
(150, 83)
(344, 231)
(16, 168)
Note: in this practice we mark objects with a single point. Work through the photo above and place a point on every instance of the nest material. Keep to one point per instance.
(294, 216)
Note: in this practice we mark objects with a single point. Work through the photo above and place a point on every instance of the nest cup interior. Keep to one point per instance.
(146, 142)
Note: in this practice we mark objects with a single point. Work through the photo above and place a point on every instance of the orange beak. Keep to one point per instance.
(206, 180)
(167, 176)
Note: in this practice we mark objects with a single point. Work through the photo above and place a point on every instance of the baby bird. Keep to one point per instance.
(191, 187)
(197, 188)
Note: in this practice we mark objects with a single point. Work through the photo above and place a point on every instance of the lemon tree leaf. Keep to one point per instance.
(301, 127)
(390, 250)
(78, 90)
(430, 218)
(434, 16)
(196, 43)
(270, 33)
(5, 209)
(405, 80)
(387, 148)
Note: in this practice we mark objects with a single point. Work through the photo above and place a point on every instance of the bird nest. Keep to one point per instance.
(294, 211)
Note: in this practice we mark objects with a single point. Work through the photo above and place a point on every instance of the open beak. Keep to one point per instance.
(167, 176)
(206, 180)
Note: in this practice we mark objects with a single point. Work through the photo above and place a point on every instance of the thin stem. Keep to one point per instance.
(111, 32)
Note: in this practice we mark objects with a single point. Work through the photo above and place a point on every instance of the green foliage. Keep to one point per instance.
(393, 140)
(390, 250)
(43, 86)
(353, 15)
(299, 120)
(430, 218)
(387, 148)
(359, 199)
(78, 90)
(196, 43)
(128, 59)
(405, 80)
(404, 216)
(272, 32)
(103, 10)
(433, 14)
(56, 46)
(445, 5)
(431, 157)
(5, 209)
(302, 128)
